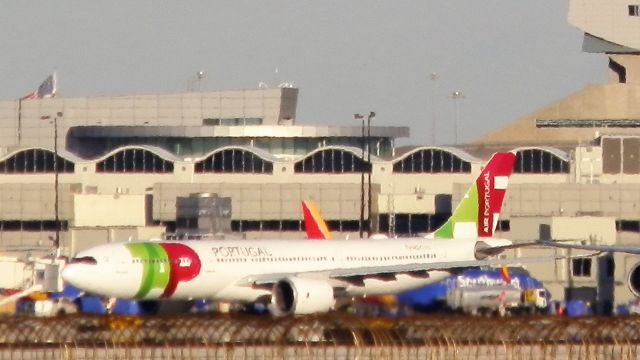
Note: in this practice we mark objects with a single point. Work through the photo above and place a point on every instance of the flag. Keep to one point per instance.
(45, 90)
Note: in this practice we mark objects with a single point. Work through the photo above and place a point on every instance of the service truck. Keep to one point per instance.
(496, 300)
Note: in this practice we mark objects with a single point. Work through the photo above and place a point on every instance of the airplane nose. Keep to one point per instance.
(70, 274)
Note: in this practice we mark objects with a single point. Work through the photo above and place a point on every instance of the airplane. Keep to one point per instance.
(302, 277)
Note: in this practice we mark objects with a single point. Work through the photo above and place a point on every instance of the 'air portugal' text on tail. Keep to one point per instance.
(477, 214)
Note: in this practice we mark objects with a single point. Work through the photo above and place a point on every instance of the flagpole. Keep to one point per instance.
(369, 174)
(361, 223)
(56, 172)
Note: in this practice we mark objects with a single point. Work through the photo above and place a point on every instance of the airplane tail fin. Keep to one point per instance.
(477, 214)
(314, 224)
(504, 273)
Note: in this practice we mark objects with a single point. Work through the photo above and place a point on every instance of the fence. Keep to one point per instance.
(329, 336)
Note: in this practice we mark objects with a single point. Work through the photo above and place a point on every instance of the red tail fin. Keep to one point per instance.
(314, 225)
(492, 187)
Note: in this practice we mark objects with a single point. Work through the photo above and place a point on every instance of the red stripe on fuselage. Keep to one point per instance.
(184, 265)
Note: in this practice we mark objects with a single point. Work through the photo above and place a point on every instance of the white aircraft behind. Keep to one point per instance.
(298, 276)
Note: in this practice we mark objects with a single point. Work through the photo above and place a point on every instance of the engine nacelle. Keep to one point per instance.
(301, 296)
(634, 280)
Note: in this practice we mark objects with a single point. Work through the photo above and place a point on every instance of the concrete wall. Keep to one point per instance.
(108, 210)
(35, 201)
(617, 200)
(594, 230)
(631, 64)
(15, 273)
(24, 124)
(84, 238)
(266, 201)
(607, 20)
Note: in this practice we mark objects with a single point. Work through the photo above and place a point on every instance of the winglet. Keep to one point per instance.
(478, 212)
(314, 225)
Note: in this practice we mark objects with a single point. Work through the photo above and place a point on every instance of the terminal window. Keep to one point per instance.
(332, 161)
(581, 267)
(231, 121)
(134, 161)
(628, 225)
(35, 161)
(503, 225)
(634, 10)
(234, 161)
(432, 161)
(538, 161)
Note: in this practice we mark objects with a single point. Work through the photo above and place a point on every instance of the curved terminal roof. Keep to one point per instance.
(555, 151)
(166, 155)
(265, 155)
(403, 152)
(354, 150)
(61, 152)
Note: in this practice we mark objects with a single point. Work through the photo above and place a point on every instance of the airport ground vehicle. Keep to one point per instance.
(43, 305)
(498, 299)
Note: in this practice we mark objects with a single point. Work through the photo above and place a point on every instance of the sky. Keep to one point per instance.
(506, 58)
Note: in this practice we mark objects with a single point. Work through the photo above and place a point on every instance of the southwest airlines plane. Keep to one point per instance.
(297, 276)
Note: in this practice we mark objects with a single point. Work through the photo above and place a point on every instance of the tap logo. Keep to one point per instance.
(164, 265)
(487, 201)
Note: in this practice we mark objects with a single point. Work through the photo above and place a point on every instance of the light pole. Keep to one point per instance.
(56, 171)
(372, 116)
(361, 118)
(197, 77)
(433, 77)
(455, 96)
(200, 75)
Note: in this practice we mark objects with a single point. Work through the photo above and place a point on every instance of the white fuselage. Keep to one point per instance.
(229, 269)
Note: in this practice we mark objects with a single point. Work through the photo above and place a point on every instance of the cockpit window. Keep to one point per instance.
(84, 260)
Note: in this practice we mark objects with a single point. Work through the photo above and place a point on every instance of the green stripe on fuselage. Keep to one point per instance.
(155, 267)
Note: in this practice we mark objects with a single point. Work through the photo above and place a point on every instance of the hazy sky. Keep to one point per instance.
(508, 58)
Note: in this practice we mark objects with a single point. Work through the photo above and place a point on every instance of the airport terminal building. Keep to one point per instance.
(124, 164)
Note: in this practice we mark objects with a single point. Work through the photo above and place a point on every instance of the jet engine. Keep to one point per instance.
(634, 280)
(301, 296)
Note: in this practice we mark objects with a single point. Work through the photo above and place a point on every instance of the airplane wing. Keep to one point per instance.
(600, 248)
(389, 272)
(445, 265)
